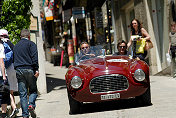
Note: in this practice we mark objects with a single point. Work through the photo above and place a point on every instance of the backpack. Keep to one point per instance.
(8, 55)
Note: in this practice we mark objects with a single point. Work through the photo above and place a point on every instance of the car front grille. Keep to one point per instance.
(108, 83)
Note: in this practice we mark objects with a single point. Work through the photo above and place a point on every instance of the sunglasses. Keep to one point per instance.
(122, 46)
(134, 23)
(84, 48)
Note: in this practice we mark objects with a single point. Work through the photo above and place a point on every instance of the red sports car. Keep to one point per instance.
(104, 78)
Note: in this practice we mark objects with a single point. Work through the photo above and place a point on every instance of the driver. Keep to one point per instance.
(85, 52)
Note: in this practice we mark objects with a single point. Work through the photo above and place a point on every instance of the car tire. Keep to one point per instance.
(75, 106)
(144, 99)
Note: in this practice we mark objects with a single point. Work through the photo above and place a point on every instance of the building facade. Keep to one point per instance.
(106, 22)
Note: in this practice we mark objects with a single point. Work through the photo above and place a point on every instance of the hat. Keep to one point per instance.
(3, 32)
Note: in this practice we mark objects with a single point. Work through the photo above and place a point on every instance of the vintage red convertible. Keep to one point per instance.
(105, 78)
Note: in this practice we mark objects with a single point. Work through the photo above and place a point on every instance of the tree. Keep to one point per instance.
(15, 16)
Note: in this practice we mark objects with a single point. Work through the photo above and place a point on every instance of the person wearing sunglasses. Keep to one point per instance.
(85, 52)
(122, 48)
(85, 48)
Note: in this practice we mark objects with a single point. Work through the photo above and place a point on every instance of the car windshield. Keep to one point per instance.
(89, 53)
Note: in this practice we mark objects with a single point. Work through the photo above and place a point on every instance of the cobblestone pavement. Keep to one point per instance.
(54, 104)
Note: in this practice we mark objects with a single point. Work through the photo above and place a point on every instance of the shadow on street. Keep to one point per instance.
(110, 105)
(54, 83)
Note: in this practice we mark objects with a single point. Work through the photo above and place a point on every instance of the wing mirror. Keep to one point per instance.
(103, 51)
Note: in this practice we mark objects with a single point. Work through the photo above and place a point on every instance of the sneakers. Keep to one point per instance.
(32, 111)
(4, 115)
(14, 112)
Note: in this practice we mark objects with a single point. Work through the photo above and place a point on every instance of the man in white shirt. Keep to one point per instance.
(172, 48)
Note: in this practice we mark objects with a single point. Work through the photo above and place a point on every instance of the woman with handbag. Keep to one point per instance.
(140, 36)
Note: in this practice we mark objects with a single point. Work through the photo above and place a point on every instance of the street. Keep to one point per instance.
(54, 104)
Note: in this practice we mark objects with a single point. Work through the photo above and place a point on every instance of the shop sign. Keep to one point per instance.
(49, 11)
(60, 9)
(105, 17)
(66, 15)
(48, 14)
(34, 23)
(78, 12)
(99, 19)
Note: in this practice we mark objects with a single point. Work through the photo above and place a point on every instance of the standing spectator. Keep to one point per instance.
(26, 66)
(10, 73)
(172, 47)
(4, 96)
(137, 29)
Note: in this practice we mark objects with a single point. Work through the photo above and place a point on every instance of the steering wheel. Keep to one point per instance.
(86, 56)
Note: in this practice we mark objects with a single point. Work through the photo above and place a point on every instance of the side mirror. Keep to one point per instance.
(103, 51)
(77, 63)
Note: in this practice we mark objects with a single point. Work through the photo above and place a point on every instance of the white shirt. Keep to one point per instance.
(172, 38)
(2, 55)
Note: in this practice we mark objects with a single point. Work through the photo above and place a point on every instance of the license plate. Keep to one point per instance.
(110, 96)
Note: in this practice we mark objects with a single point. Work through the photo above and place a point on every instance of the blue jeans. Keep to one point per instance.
(26, 81)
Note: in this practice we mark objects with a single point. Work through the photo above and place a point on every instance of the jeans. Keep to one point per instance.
(173, 64)
(26, 81)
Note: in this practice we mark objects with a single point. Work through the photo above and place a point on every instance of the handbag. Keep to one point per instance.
(168, 58)
(148, 45)
(140, 46)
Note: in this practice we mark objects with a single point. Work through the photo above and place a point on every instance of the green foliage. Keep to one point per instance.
(15, 16)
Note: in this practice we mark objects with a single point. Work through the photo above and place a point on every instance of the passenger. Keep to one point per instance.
(172, 48)
(137, 29)
(85, 52)
(122, 48)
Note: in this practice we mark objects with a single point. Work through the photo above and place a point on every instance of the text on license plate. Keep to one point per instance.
(110, 96)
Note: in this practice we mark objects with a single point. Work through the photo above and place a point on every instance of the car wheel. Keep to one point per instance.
(75, 106)
(144, 99)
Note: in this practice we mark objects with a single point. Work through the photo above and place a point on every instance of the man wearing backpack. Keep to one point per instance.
(8, 48)
(26, 66)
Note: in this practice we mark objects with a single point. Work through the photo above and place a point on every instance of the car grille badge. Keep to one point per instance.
(106, 68)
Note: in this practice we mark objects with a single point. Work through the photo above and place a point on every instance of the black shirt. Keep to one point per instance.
(26, 55)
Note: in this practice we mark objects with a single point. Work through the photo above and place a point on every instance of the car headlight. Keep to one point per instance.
(139, 75)
(76, 82)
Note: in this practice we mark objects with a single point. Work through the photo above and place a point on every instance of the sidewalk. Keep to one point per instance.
(55, 79)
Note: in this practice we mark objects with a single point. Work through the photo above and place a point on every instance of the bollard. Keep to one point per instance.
(70, 51)
(62, 55)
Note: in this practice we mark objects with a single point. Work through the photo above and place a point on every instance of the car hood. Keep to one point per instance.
(106, 65)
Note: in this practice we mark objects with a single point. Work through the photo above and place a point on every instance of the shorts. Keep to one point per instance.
(142, 55)
(4, 96)
(11, 74)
